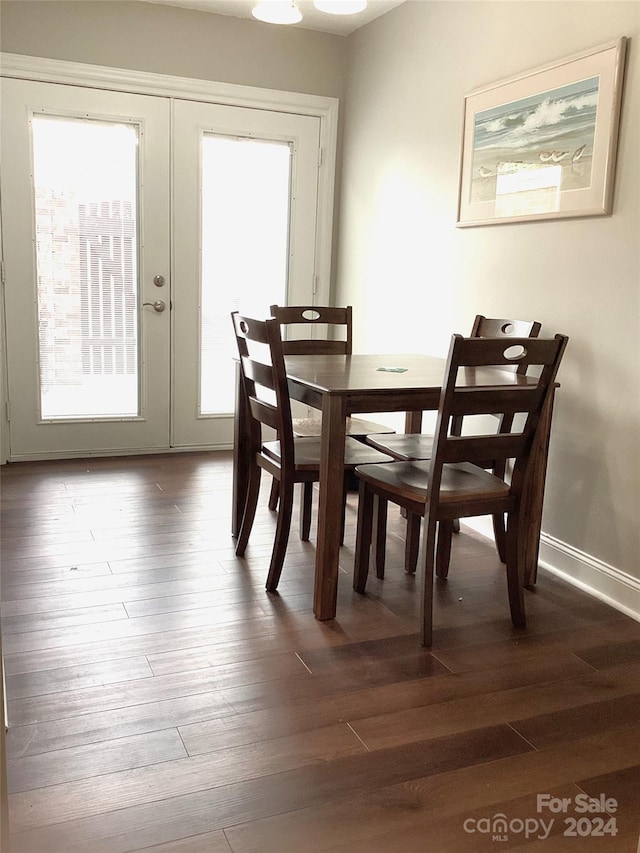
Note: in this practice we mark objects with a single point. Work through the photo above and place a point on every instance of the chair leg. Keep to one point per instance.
(515, 569)
(500, 536)
(412, 543)
(283, 528)
(250, 506)
(426, 603)
(273, 495)
(363, 538)
(456, 525)
(381, 507)
(443, 548)
(306, 500)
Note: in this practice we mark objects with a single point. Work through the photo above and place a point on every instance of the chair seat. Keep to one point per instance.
(308, 427)
(307, 453)
(404, 446)
(460, 481)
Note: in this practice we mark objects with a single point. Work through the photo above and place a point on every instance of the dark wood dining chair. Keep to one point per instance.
(410, 446)
(288, 459)
(332, 328)
(455, 482)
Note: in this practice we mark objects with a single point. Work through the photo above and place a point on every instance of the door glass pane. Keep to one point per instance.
(85, 181)
(245, 249)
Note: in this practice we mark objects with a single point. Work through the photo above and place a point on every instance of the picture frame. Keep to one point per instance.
(542, 145)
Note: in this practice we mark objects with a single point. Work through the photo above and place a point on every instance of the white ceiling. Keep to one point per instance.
(311, 18)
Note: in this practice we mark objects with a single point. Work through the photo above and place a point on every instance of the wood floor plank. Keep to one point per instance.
(45, 682)
(74, 619)
(610, 654)
(507, 706)
(124, 627)
(461, 658)
(35, 576)
(110, 589)
(571, 722)
(622, 786)
(177, 544)
(58, 706)
(171, 579)
(100, 727)
(86, 762)
(209, 842)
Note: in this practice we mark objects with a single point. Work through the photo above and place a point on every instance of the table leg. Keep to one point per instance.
(329, 507)
(534, 495)
(240, 456)
(413, 421)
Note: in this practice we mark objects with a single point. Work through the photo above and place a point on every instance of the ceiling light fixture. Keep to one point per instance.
(340, 7)
(277, 12)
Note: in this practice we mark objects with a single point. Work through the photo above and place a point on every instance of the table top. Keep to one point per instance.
(346, 374)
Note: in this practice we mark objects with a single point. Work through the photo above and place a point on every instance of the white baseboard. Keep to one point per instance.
(605, 582)
(118, 451)
(614, 587)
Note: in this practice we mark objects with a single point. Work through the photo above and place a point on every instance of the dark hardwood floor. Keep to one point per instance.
(159, 699)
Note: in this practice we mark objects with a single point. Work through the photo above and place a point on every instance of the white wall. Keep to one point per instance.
(408, 270)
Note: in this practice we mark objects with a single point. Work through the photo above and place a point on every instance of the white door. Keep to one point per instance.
(121, 270)
(85, 210)
(245, 207)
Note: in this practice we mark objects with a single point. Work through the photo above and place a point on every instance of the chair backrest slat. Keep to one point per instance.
(507, 353)
(313, 347)
(494, 327)
(301, 320)
(259, 373)
(484, 448)
(474, 401)
(263, 412)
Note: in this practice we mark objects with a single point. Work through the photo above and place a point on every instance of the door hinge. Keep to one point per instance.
(2, 273)
(8, 410)
(320, 158)
(315, 284)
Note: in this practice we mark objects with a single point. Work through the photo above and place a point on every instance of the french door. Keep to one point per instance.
(244, 221)
(132, 226)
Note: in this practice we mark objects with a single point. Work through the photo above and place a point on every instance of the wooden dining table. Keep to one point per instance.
(342, 385)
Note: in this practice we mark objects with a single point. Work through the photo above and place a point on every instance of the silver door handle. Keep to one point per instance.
(158, 306)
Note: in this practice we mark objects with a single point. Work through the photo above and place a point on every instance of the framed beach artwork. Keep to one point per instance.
(542, 145)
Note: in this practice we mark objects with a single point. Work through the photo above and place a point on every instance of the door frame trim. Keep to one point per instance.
(43, 70)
